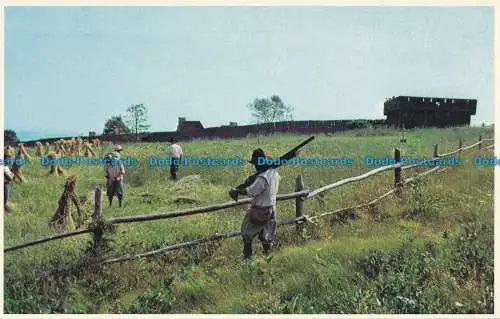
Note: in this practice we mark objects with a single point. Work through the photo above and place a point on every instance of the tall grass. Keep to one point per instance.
(340, 268)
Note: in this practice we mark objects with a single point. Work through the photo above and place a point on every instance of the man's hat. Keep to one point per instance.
(171, 139)
(256, 154)
(118, 148)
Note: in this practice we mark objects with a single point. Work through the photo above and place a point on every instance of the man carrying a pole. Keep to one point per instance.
(260, 218)
(262, 186)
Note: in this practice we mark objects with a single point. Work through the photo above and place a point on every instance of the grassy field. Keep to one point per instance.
(431, 252)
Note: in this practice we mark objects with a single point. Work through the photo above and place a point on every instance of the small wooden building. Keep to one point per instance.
(414, 111)
(188, 126)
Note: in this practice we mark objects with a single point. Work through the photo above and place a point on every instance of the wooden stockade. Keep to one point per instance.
(300, 195)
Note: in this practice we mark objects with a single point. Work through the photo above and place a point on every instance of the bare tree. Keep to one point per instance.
(137, 119)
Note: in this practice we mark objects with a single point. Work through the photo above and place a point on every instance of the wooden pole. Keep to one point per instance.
(397, 173)
(97, 205)
(471, 146)
(460, 145)
(436, 151)
(351, 179)
(196, 210)
(299, 204)
(97, 231)
(397, 170)
(46, 239)
(480, 139)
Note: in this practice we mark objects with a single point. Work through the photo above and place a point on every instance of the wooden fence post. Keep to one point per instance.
(97, 205)
(299, 204)
(97, 232)
(397, 172)
(480, 140)
(436, 151)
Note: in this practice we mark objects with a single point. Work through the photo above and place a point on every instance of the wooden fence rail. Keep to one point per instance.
(295, 221)
(198, 210)
(300, 195)
(352, 179)
(46, 239)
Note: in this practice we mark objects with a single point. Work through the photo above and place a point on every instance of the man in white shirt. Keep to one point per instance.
(260, 218)
(175, 153)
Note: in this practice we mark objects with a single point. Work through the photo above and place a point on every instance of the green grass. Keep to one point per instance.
(331, 271)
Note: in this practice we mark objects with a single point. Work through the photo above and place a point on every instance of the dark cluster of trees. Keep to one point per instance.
(135, 122)
(9, 137)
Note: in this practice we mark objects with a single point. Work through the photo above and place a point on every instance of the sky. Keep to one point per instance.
(68, 69)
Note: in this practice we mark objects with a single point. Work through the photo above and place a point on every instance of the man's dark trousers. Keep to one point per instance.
(174, 168)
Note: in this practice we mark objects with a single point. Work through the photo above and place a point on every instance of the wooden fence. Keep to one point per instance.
(300, 195)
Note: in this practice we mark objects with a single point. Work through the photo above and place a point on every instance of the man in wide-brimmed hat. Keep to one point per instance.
(115, 155)
(117, 152)
(114, 173)
(260, 218)
(175, 153)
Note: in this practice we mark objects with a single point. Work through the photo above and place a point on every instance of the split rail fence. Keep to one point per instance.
(300, 195)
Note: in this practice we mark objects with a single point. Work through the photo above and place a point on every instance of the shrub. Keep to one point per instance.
(158, 301)
(422, 203)
(401, 276)
(473, 258)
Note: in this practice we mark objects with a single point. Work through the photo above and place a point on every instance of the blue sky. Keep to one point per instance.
(68, 69)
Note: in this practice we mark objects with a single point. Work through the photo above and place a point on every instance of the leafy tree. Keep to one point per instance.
(137, 119)
(9, 137)
(272, 109)
(115, 125)
(269, 110)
